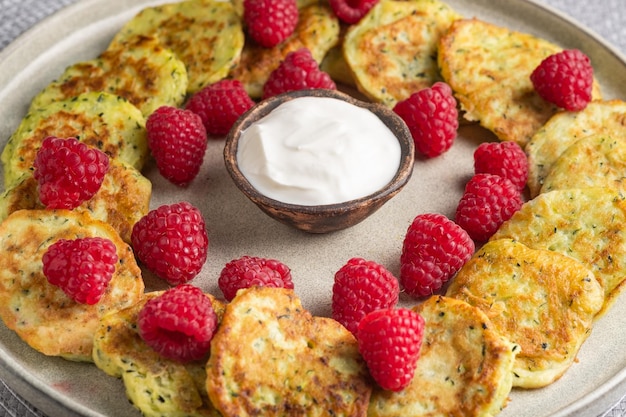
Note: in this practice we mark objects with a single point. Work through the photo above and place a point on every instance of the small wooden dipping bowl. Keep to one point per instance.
(329, 217)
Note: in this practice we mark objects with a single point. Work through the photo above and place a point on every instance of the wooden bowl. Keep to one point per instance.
(329, 217)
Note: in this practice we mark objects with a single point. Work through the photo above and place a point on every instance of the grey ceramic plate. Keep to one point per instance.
(237, 227)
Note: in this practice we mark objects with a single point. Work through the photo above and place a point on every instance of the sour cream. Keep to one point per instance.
(317, 151)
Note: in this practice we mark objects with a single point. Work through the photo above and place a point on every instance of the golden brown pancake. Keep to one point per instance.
(123, 198)
(392, 51)
(464, 368)
(206, 35)
(42, 314)
(140, 69)
(488, 68)
(541, 300)
(606, 118)
(271, 357)
(588, 225)
(104, 121)
(155, 385)
(594, 161)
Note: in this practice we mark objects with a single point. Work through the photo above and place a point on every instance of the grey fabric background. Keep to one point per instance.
(607, 18)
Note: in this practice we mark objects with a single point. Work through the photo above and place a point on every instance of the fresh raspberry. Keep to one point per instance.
(565, 79)
(488, 201)
(432, 118)
(506, 159)
(390, 341)
(351, 11)
(249, 271)
(172, 242)
(68, 172)
(361, 287)
(219, 105)
(179, 324)
(270, 22)
(434, 249)
(177, 140)
(298, 71)
(82, 268)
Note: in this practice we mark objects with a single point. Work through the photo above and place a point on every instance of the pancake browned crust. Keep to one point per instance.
(488, 67)
(206, 35)
(588, 225)
(42, 314)
(155, 385)
(594, 161)
(541, 300)
(123, 198)
(606, 118)
(140, 69)
(317, 30)
(270, 357)
(392, 51)
(104, 121)
(464, 368)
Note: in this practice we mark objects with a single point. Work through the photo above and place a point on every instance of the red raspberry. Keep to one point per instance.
(390, 341)
(361, 287)
(488, 201)
(69, 172)
(178, 140)
(270, 22)
(219, 105)
(249, 271)
(432, 118)
(172, 242)
(298, 71)
(565, 79)
(82, 268)
(434, 249)
(351, 11)
(179, 324)
(506, 159)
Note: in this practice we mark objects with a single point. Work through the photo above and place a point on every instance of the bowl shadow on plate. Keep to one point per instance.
(330, 217)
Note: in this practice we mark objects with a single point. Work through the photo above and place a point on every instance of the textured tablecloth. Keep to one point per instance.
(607, 18)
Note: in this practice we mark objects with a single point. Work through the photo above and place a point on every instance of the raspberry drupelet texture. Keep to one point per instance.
(269, 22)
(68, 172)
(249, 271)
(82, 268)
(432, 118)
(177, 139)
(219, 105)
(488, 201)
(361, 287)
(506, 159)
(351, 11)
(178, 324)
(298, 71)
(390, 341)
(565, 79)
(172, 242)
(434, 249)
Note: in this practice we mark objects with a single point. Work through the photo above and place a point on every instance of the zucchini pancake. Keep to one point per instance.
(104, 121)
(271, 357)
(205, 35)
(41, 313)
(140, 69)
(541, 300)
(106, 205)
(464, 368)
(155, 385)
